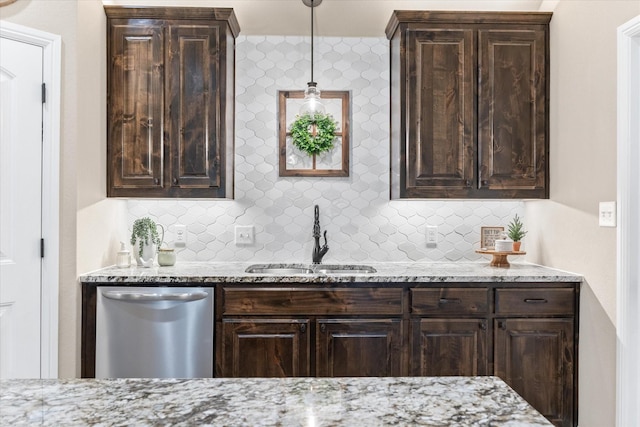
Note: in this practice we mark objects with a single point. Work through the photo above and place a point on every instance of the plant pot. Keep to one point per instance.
(516, 246)
(148, 253)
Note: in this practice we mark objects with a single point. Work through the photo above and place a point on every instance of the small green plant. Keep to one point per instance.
(143, 229)
(304, 138)
(516, 229)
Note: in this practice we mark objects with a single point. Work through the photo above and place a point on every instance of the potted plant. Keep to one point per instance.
(313, 134)
(145, 240)
(516, 232)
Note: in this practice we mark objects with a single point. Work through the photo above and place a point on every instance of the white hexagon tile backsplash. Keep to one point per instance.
(361, 222)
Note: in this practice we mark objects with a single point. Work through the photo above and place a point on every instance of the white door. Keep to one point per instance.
(21, 76)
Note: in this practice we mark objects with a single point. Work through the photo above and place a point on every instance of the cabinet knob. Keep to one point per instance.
(156, 181)
(467, 183)
(483, 325)
(175, 181)
(485, 182)
(502, 325)
(323, 328)
(303, 327)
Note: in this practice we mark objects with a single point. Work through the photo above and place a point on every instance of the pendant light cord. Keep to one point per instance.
(312, 41)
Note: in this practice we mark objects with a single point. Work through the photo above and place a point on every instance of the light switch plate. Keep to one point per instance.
(244, 235)
(607, 214)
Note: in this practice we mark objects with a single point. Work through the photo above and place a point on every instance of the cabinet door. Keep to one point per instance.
(443, 347)
(512, 113)
(265, 348)
(358, 348)
(194, 109)
(440, 121)
(135, 105)
(536, 358)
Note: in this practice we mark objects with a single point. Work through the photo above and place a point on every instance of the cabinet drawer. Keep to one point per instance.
(308, 302)
(449, 301)
(535, 301)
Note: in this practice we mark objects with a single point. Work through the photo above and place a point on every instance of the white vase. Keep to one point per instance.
(148, 253)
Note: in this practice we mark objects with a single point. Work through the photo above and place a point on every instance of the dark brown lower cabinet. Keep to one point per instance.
(536, 358)
(358, 347)
(449, 347)
(266, 347)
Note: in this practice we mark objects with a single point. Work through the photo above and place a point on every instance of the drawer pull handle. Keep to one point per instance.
(323, 328)
(303, 328)
(450, 301)
(536, 300)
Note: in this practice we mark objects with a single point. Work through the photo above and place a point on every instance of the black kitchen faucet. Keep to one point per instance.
(318, 252)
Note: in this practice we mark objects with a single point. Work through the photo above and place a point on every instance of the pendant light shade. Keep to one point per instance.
(312, 103)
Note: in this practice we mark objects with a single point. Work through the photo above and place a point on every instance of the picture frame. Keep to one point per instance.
(488, 236)
(294, 163)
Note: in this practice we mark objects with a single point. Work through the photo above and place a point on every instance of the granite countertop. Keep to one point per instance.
(426, 401)
(230, 272)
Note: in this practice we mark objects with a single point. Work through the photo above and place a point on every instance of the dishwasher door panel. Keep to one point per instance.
(154, 332)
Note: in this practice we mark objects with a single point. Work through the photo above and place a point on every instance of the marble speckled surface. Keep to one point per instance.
(211, 272)
(426, 401)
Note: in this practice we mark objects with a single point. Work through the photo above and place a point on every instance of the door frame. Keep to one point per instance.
(628, 233)
(51, 46)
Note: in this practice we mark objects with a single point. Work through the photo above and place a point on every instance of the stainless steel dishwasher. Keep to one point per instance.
(154, 332)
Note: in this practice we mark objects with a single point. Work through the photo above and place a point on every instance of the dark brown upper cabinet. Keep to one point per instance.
(469, 104)
(170, 101)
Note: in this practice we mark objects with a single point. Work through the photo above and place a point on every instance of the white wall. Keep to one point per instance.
(347, 18)
(564, 231)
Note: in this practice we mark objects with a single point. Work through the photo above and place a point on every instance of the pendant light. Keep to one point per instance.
(312, 104)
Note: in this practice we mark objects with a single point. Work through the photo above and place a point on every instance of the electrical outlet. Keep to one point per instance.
(244, 235)
(607, 214)
(432, 235)
(181, 235)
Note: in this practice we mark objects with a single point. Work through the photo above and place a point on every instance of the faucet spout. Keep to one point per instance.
(318, 252)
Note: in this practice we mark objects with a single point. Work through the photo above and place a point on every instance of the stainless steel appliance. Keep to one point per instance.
(154, 332)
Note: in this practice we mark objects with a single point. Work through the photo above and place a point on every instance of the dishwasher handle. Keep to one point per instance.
(143, 296)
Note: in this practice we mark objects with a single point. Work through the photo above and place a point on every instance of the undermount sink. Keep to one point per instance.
(257, 269)
(287, 269)
(344, 269)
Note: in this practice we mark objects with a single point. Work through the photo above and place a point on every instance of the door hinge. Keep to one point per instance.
(44, 93)
(41, 248)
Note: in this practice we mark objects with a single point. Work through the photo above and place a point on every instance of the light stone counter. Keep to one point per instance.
(424, 401)
(212, 272)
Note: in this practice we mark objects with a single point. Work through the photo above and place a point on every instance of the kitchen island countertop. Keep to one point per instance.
(391, 272)
(427, 401)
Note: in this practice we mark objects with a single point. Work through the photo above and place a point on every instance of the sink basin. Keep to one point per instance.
(344, 269)
(278, 270)
(286, 270)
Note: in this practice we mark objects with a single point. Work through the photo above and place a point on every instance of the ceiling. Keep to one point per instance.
(346, 18)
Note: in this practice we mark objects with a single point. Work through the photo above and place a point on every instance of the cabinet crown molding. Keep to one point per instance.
(151, 12)
(456, 17)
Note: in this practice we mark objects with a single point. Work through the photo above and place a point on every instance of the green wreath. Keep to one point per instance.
(304, 139)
